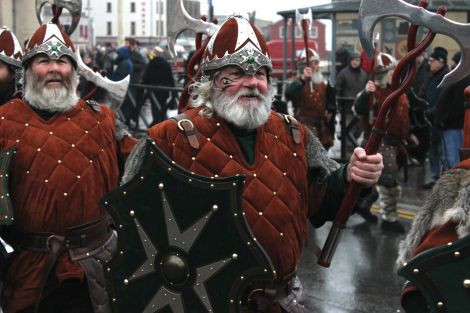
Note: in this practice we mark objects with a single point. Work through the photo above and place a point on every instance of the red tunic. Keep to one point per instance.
(62, 167)
(275, 194)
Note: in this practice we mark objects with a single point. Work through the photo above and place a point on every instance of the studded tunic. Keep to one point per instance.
(275, 193)
(61, 169)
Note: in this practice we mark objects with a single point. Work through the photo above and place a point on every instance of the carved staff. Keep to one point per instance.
(380, 127)
(305, 20)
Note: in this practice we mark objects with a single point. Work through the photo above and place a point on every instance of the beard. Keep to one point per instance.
(41, 97)
(317, 78)
(248, 113)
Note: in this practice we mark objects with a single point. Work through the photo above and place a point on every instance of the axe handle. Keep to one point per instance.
(375, 139)
(305, 35)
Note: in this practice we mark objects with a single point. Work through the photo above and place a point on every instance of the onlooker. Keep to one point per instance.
(438, 67)
(10, 62)
(449, 118)
(124, 67)
(158, 72)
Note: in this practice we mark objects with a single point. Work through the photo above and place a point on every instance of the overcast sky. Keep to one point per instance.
(265, 9)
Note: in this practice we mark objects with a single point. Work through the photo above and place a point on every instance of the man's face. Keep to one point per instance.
(435, 65)
(233, 80)
(5, 74)
(52, 74)
(356, 62)
(241, 99)
(315, 65)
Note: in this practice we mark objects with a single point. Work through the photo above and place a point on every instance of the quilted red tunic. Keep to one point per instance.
(62, 167)
(275, 194)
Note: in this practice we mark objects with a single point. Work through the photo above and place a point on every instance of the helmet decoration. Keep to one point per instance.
(239, 43)
(48, 39)
(384, 63)
(313, 55)
(10, 49)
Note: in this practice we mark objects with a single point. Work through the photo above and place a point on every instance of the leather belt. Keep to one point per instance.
(81, 236)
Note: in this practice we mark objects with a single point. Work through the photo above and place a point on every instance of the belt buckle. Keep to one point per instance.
(48, 241)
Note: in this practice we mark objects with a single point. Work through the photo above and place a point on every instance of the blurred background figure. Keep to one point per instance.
(158, 73)
(313, 99)
(438, 69)
(392, 148)
(10, 64)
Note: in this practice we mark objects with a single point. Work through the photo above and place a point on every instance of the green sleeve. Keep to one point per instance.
(293, 90)
(361, 104)
(336, 185)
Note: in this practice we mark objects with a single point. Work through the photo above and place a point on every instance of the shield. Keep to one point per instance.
(442, 275)
(6, 207)
(183, 242)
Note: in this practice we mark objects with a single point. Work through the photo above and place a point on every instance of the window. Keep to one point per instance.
(109, 29)
(159, 6)
(109, 7)
(132, 28)
(132, 7)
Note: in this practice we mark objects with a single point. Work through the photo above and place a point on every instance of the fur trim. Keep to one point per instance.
(317, 156)
(134, 161)
(121, 130)
(449, 200)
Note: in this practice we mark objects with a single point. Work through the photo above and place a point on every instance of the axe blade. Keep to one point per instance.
(180, 21)
(299, 17)
(371, 11)
(116, 90)
(73, 6)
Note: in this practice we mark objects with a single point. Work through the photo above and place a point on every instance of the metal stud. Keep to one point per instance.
(466, 283)
(234, 256)
(215, 208)
(456, 254)
(416, 271)
(440, 304)
(126, 282)
(161, 186)
(132, 213)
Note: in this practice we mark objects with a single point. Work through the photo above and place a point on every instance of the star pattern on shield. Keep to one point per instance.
(184, 241)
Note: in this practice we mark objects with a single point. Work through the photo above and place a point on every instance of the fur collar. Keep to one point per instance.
(449, 201)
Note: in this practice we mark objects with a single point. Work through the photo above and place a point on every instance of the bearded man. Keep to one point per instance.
(393, 145)
(229, 129)
(10, 63)
(68, 155)
(313, 99)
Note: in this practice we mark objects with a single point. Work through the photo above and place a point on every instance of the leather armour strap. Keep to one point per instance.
(187, 127)
(293, 126)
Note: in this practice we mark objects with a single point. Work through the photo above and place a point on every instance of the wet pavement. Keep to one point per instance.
(362, 276)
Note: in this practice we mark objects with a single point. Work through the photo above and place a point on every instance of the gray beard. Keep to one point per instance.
(52, 100)
(317, 78)
(250, 116)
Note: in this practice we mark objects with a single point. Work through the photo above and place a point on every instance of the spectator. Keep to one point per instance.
(438, 68)
(158, 73)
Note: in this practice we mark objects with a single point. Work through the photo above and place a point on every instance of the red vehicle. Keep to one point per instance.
(275, 48)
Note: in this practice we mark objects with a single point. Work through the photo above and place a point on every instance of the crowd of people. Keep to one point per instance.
(71, 152)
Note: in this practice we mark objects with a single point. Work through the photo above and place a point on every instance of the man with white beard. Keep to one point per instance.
(68, 155)
(313, 99)
(229, 129)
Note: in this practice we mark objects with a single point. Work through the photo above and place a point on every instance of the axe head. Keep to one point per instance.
(180, 21)
(371, 11)
(116, 90)
(73, 6)
(299, 17)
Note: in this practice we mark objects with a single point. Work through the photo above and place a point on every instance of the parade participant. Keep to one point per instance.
(439, 224)
(288, 177)
(393, 142)
(68, 155)
(10, 62)
(313, 99)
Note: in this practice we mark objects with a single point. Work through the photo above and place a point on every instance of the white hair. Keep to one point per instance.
(212, 99)
(50, 99)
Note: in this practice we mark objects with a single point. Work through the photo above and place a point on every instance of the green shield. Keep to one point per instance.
(442, 275)
(6, 207)
(183, 242)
